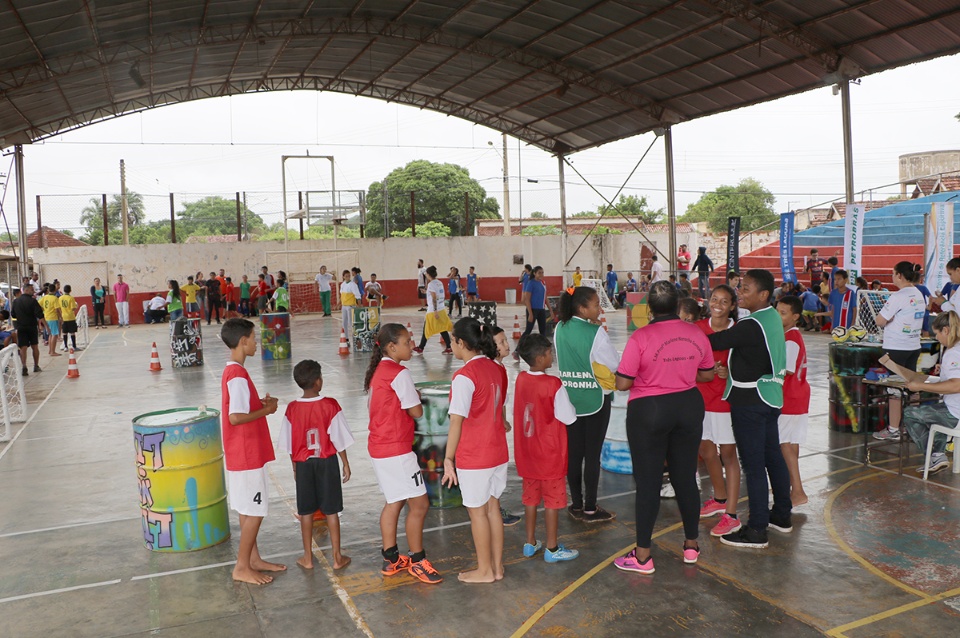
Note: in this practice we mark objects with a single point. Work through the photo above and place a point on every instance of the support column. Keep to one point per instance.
(239, 221)
(21, 208)
(847, 140)
(506, 190)
(125, 223)
(671, 201)
(173, 221)
(563, 219)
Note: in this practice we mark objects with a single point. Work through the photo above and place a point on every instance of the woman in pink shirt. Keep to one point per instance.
(661, 366)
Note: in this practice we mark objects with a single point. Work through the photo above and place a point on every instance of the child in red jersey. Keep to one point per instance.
(542, 412)
(247, 449)
(796, 396)
(314, 433)
(394, 404)
(476, 456)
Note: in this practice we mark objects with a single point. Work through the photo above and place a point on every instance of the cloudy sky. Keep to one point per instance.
(219, 146)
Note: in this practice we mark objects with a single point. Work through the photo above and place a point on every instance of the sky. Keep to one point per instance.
(793, 146)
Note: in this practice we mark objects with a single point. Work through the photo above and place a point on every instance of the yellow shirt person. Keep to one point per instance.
(190, 290)
(68, 307)
(51, 309)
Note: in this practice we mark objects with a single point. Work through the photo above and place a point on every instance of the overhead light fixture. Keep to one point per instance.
(135, 75)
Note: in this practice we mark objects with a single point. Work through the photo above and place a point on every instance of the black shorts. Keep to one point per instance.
(27, 338)
(905, 358)
(319, 487)
(421, 293)
(69, 327)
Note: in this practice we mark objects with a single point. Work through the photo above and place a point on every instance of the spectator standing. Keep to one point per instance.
(535, 299)
(174, 303)
(29, 317)
(121, 292)
(704, 266)
(323, 280)
(422, 285)
(473, 290)
(213, 298)
(577, 277)
(683, 258)
(98, 295)
(244, 307)
(610, 284)
(842, 301)
(656, 270)
(814, 266)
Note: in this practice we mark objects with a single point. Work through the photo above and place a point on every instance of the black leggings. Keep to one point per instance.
(666, 427)
(455, 299)
(539, 318)
(98, 319)
(584, 442)
(443, 335)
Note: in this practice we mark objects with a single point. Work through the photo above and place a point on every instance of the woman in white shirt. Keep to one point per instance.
(918, 418)
(435, 308)
(902, 321)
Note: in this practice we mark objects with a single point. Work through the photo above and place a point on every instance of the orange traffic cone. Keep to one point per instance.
(410, 331)
(155, 359)
(344, 348)
(516, 327)
(319, 516)
(72, 371)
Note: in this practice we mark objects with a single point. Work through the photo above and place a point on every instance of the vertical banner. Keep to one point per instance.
(733, 244)
(787, 270)
(937, 244)
(853, 240)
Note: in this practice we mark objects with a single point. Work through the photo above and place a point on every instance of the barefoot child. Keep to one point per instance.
(314, 433)
(247, 449)
(503, 351)
(394, 403)
(796, 395)
(476, 456)
(542, 412)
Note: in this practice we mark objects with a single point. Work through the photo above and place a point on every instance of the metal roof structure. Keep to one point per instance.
(563, 76)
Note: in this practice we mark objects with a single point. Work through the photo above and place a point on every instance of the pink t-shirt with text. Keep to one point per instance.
(663, 357)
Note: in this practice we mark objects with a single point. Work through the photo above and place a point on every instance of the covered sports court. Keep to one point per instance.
(872, 554)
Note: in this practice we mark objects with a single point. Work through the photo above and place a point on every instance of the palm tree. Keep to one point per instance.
(91, 217)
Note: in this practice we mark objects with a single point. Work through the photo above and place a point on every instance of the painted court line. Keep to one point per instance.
(838, 632)
(62, 590)
(69, 526)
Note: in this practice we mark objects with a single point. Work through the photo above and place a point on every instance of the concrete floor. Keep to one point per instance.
(873, 554)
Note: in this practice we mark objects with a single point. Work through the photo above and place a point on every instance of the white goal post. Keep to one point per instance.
(869, 304)
(302, 266)
(597, 284)
(13, 399)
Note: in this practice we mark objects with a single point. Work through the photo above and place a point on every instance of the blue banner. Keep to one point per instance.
(787, 270)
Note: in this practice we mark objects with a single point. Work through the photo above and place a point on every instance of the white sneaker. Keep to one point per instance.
(667, 491)
(937, 463)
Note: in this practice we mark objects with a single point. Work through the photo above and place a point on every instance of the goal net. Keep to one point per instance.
(869, 304)
(597, 284)
(13, 399)
(302, 267)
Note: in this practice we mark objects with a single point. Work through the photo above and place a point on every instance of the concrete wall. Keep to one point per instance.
(914, 165)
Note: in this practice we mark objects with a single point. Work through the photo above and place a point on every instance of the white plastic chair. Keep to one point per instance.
(952, 433)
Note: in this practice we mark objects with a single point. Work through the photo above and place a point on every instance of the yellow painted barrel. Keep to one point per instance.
(183, 498)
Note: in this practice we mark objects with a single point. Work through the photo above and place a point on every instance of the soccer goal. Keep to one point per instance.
(302, 267)
(869, 304)
(83, 327)
(13, 398)
(597, 284)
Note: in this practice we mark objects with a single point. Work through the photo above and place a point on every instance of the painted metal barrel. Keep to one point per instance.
(615, 452)
(366, 323)
(849, 405)
(483, 311)
(275, 336)
(183, 498)
(186, 345)
(430, 442)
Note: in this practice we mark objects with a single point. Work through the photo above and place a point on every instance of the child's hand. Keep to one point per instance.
(722, 371)
(449, 474)
(269, 403)
(346, 472)
(506, 426)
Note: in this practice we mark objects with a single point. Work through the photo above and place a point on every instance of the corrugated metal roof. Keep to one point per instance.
(563, 76)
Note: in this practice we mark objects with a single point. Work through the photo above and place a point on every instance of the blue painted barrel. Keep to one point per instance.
(615, 453)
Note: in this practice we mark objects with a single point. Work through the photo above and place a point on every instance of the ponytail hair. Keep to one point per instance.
(908, 270)
(388, 333)
(476, 337)
(951, 321)
(572, 299)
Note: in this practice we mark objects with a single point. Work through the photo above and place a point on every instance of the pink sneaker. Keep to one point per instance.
(712, 508)
(629, 563)
(690, 555)
(727, 525)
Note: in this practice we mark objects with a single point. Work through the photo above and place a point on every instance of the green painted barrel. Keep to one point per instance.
(430, 442)
(275, 336)
(183, 498)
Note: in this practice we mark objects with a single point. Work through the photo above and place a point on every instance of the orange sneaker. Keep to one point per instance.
(392, 569)
(425, 572)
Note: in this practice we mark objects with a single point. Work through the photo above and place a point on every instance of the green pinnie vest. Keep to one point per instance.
(769, 386)
(574, 341)
(283, 297)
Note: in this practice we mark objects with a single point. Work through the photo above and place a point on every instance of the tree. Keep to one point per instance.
(216, 215)
(439, 191)
(748, 200)
(426, 229)
(629, 205)
(91, 217)
(538, 215)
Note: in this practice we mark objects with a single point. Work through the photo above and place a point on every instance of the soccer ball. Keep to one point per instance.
(840, 334)
(857, 332)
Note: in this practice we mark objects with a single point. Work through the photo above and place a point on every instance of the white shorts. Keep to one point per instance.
(247, 491)
(399, 477)
(717, 428)
(793, 428)
(477, 486)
